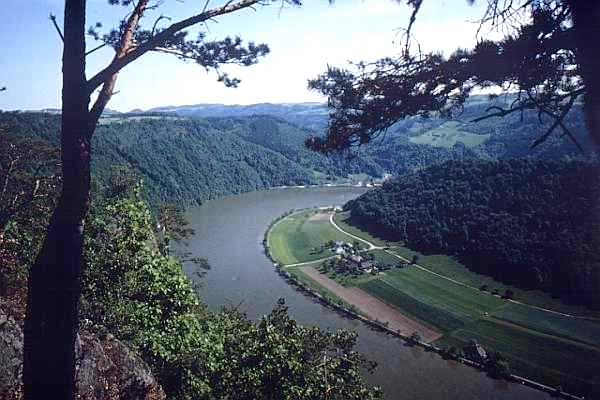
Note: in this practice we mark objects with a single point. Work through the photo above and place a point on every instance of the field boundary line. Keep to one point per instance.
(373, 247)
(307, 262)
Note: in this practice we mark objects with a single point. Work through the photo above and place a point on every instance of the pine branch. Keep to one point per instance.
(125, 46)
(87, 53)
(163, 36)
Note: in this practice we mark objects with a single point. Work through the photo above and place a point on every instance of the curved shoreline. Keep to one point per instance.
(379, 326)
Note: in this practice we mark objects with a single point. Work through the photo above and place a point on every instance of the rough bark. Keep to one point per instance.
(54, 281)
(106, 368)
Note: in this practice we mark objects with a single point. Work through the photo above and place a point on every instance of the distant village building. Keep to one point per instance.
(356, 259)
(339, 248)
(339, 251)
(474, 351)
(367, 265)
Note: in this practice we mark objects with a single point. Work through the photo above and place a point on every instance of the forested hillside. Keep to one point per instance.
(190, 160)
(135, 291)
(416, 143)
(530, 223)
(288, 139)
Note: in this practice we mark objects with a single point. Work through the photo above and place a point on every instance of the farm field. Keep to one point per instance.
(581, 330)
(537, 356)
(542, 345)
(433, 299)
(450, 267)
(545, 346)
(448, 134)
(341, 219)
(299, 237)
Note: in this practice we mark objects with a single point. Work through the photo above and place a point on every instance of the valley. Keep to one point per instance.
(417, 299)
(437, 298)
(229, 232)
(306, 201)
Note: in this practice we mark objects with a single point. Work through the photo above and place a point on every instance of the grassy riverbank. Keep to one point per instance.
(540, 338)
(300, 237)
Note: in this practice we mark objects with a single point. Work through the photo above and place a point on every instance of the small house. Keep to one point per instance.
(356, 259)
(475, 352)
(340, 251)
(366, 265)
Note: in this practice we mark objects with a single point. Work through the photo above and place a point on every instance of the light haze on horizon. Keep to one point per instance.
(303, 41)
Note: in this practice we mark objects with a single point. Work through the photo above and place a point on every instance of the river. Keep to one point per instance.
(229, 232)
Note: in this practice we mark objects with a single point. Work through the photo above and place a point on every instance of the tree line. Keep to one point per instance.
(188, 161)
(530, 223)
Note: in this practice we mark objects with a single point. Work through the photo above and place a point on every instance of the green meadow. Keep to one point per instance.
(542, 345)
(299, 237)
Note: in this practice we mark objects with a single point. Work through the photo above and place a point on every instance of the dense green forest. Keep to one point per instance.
(530, 223)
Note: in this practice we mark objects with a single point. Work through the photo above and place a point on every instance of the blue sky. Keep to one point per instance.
(303, 41)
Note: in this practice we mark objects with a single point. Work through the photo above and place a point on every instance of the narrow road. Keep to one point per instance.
(308, 262)
(373, 247)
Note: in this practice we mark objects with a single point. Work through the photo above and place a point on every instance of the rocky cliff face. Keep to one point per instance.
(106, 368)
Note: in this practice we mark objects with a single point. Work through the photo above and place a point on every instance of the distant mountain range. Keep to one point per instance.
(495, 138)
(308, 115)
(107, 111)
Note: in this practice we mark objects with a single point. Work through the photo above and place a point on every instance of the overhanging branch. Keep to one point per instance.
(157, 40)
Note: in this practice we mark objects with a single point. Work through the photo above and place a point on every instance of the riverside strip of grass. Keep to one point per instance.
(299, 237)
(541, 345)
(537, 356)
(309, 282)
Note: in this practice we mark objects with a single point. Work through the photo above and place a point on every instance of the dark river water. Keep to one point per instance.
(229, 232)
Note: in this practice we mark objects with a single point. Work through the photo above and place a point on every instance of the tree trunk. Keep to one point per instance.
(51, 322)
(586, 18)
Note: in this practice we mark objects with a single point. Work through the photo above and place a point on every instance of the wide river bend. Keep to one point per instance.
(229, 232)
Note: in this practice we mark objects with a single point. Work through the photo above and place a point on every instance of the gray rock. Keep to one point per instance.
(106, 368)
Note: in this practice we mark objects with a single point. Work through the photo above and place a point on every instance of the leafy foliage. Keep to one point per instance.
(143, 297)
(530, 223)
(28, 185)
(28, 175)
